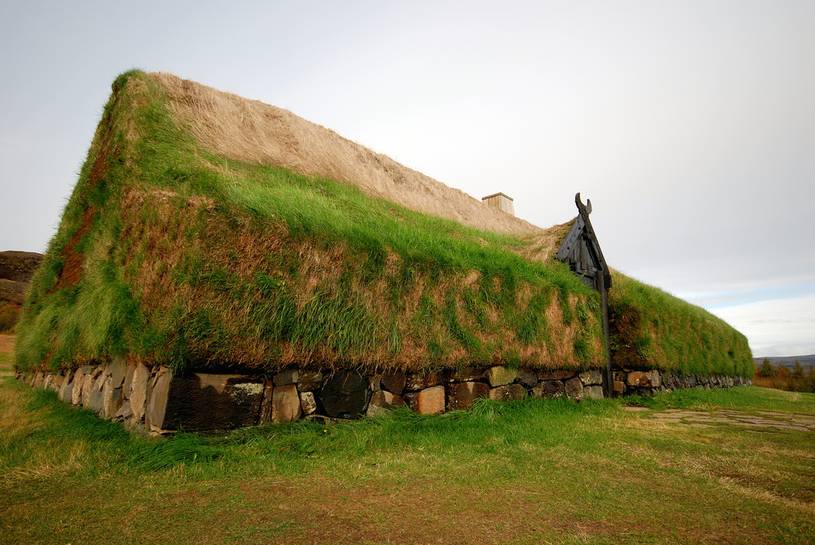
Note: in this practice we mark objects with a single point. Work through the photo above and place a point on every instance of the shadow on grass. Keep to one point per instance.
(489, 427)
(63, 424)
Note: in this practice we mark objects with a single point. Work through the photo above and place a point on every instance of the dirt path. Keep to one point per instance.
(7, 344)
(766, 420)
(6, 355)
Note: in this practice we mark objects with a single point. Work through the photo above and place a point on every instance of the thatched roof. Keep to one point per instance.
(252, 131)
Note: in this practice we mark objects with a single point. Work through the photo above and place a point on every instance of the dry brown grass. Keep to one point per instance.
(7, 344)
(252, 131)
(543, 246)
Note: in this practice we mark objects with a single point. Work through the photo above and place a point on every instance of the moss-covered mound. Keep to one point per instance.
(653, 329)
(208, 231)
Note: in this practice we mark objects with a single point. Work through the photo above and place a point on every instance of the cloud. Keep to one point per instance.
(775, 327)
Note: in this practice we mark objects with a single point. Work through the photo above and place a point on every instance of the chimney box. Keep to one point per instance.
(500, 201)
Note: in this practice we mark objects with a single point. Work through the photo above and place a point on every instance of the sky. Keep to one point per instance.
(690, 125)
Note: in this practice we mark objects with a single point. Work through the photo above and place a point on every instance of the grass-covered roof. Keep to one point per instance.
(207, 230)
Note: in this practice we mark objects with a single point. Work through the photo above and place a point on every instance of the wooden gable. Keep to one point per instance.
(581, 250)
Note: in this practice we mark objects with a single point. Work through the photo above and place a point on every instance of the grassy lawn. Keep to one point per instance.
(526, 472)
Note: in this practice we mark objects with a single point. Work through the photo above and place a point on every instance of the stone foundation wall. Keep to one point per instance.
(634, 382)
(154, 400)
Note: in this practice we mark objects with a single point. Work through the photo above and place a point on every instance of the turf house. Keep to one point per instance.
(224, 263)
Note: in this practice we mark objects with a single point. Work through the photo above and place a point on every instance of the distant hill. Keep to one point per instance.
(789, 361)
(16, 269)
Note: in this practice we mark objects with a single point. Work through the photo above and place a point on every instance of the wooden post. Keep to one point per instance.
(608, 384)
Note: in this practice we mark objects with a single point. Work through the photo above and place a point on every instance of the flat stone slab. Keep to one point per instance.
(766, 420)
(206, 401)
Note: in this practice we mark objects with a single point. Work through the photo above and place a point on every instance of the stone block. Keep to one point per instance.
(527, 377)
(429, 401)
(344, 395)
(394, 382)
(467, 374)
(376, 406)
(138, 390)
(549, 388)
(393, 400)
(556, 374)
(285, 404)
(574, 388)
(288, 376)
(118, 371)
(79, 383)
(644, 379)
(112, 398)
(634, 378)
(66, 390)
(420, 381)
(97, 397)
(462, 395)
(591, 377)
(382, 401)
(618, 387)
(127, 384)
(55, 383)
(593, 392)
(124, 412)
(100, 378)
(156, 406)
(310, 381)
(88, 386)
(308, 403)
(499, 375)
(508, 392)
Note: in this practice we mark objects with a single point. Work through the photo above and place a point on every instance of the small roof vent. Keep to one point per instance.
(501, 202)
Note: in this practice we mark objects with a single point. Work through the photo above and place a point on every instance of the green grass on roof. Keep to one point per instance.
(651, 328)
(168, 253)
(192, 259)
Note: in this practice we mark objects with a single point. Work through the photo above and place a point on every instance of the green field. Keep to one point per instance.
(720, 470)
